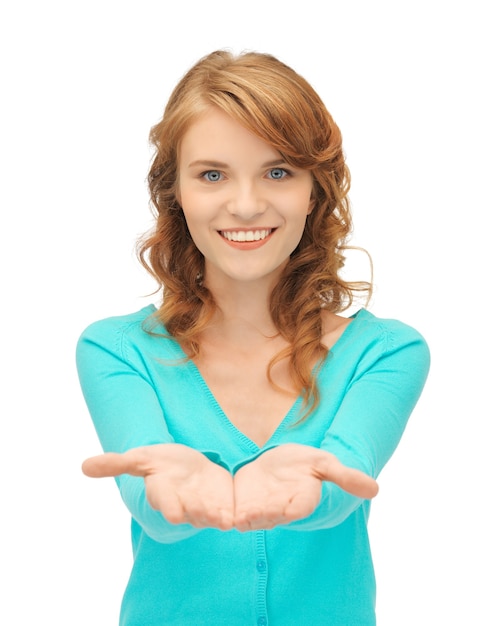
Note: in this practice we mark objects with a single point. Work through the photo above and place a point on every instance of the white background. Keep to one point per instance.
(81, 84)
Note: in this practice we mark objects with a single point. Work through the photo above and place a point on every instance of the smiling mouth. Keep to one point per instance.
(246, 235)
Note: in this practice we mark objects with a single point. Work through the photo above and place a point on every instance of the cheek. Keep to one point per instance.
(189, 204)
(194, 203)
(184, 190)
(299, 206)
(192, 223)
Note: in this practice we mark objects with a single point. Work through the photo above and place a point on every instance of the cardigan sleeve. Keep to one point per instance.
(126, 413)
(372, 416)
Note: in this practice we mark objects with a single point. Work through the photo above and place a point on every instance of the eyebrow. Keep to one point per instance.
(220, 164)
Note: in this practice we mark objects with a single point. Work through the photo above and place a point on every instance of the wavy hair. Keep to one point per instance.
(279, 106)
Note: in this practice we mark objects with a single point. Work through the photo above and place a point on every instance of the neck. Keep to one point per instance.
(243, 311)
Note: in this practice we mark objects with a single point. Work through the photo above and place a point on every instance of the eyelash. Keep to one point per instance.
(279, 169)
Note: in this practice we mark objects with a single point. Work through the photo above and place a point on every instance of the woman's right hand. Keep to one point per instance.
(181, 482)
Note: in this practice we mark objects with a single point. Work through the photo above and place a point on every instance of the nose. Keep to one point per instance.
(246, 201)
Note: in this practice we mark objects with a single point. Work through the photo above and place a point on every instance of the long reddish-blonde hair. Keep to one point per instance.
(279, 106)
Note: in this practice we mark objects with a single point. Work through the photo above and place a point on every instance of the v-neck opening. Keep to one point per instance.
(241, 436)
(244, 439)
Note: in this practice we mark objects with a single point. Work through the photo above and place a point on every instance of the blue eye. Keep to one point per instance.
(276, 173)
(213, 176)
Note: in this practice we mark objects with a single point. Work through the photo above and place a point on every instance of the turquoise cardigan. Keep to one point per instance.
(316, 571)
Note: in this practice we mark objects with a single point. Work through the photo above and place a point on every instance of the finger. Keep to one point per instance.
(254, 516)
(103, 465)
(204, 511)
(221, 518)
(359, 484)
(179, 507)
(245, 523)
(213, 510)
(165, 500)
(136, 462)
(244, 519)
(351, 480)
(215, 518)
(257, 524)
(196, 512)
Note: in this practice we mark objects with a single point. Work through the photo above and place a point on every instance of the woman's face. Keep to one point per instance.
(245, 207)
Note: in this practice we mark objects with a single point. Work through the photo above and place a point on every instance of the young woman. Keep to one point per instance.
(245, 419)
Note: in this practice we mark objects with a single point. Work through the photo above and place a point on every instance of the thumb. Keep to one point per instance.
(351, 480)
(109, 464)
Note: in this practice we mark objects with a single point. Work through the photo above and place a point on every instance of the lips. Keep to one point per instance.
(246, 235)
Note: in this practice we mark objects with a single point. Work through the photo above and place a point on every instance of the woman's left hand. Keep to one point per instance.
(284, 484)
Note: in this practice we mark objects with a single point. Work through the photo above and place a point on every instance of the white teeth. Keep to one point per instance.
(245, 235)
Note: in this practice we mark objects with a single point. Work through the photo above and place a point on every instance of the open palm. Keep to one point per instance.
(281, 485)
(284, 484)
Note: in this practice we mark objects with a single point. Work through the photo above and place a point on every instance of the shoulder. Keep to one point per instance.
(389, 332)
(376, 338)
(117, 326)
(127, 337)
